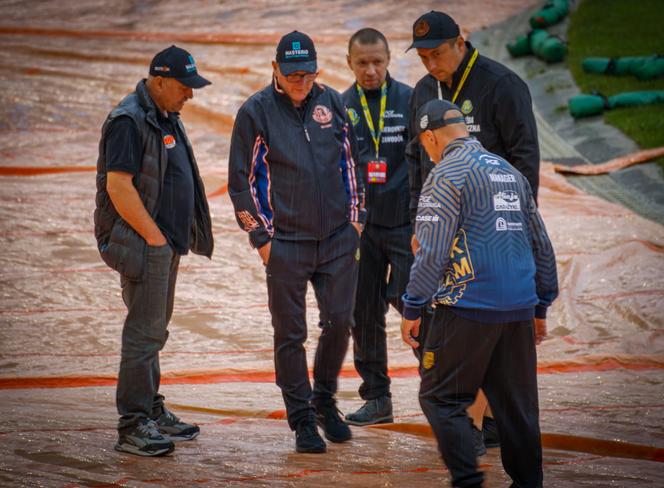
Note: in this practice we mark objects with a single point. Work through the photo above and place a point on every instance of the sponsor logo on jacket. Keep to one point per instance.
(506, 201)
(169, 141)
(322, 114)
(459, 273)
(503, 225)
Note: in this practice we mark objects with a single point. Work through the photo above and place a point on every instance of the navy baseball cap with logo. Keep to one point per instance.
(431, 116)
(174, 62)
(432, 29)
(296, 52)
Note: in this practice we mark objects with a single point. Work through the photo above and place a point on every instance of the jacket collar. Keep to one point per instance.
(148, 105)
(456, 77)
(457, 143)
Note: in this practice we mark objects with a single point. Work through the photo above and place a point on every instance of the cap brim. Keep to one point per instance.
(306, 66)
(426, 44)
(196, 81)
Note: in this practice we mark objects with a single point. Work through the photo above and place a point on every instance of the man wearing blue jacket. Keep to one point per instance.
(379, 111)
(298, 192)
(486, 264)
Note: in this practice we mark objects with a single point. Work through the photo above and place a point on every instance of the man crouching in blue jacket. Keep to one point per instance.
(297, 191)
(487, 265)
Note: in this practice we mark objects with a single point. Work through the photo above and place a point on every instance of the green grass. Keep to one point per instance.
(614, 28)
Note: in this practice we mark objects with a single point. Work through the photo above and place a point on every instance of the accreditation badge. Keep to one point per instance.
(377, 171)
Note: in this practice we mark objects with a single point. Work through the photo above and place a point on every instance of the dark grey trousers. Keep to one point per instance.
(331, 267)
(149, 308)
(380, 247)
(459, 357)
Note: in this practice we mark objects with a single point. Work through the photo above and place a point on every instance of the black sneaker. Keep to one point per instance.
(490, 432)
(145, 440)
(327, 416)
(375, 411)
(174, 428)
(478, 442)
(307, 438)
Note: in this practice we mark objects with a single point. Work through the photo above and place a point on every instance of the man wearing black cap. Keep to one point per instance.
(498, 111)
(486, 264)
(378, 109)
(151, 209)
(298, 192)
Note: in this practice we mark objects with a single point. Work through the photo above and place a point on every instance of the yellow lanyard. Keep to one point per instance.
(367, 114)
(469, 66)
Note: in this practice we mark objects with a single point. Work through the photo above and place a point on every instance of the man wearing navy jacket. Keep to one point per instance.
(298, 192)
(378, 108)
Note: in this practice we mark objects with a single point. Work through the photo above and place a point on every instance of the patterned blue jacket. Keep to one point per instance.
(484, 250)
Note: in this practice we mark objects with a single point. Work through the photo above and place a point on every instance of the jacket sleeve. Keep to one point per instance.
(436, 226)
(546, 276)
(249, 178)
(518, 131)
(413, 155)
(351, 172)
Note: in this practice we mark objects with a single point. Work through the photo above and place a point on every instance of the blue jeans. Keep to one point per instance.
(149, 308)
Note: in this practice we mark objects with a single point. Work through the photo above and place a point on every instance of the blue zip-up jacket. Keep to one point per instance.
(484, 250)
(294, 177)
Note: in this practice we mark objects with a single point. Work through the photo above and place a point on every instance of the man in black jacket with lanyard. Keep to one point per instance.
(378, 109)
(498, 111)
(297, 191)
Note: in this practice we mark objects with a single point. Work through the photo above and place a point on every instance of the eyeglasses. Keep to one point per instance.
(307, 77)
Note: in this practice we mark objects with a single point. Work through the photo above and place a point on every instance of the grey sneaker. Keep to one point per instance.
(145, 440)
(376, 411)
(174, 428)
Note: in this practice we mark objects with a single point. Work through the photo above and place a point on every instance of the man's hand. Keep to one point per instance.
(414, 244)
(409, 330)
(358, 227)
(540, 330)
(264, 252)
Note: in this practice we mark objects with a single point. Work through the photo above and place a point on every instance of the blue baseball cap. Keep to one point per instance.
(296, 52)
(432, 29)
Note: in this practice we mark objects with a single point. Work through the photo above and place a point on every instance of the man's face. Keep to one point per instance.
(173, 94)
(297, 85)
(441, 62)
(369, 62)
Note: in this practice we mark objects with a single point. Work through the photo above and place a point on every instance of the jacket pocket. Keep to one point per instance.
(125, 251)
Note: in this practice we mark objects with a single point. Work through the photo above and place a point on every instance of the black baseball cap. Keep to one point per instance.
(174, 62)
(296, 52)
(431, 116)
(432, 29)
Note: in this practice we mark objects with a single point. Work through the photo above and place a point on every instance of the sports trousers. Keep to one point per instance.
(459, 357)
(331, 267)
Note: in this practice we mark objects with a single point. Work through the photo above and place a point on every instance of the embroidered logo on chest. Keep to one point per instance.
(169, 141)
(322, 114)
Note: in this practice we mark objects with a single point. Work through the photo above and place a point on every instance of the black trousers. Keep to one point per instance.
(459, 357)
(376, 290)
(331, 267)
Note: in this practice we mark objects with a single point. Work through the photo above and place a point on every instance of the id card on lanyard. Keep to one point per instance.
(376, 168)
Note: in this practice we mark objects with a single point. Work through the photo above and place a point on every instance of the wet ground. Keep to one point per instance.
(63, 65)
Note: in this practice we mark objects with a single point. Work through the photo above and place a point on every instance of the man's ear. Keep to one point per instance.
(348, 61)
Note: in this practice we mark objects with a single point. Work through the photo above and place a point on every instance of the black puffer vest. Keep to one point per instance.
(122, 248)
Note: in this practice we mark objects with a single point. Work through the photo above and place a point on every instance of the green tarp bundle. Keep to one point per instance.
(552, 13)
(643, 67)
(540, 43)
(595, 104)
